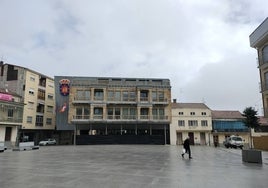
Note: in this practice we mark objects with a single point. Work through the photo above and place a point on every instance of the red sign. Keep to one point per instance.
(5, 97)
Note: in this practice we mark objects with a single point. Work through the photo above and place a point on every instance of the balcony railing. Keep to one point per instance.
(11, 120)
(120, 117)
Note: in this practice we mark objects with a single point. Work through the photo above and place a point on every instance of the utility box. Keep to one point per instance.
(251, 156)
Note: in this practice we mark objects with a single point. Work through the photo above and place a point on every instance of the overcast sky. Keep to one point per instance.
(201, 46)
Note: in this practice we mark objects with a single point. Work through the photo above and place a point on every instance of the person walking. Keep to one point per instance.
(186, 146)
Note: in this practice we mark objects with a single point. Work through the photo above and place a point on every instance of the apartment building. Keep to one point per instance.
(227, 123)
(259, 41)
(102, 110)
(11, 112)
(193, 120)
(38, 95)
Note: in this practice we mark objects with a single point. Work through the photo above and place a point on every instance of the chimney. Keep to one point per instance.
(174, 100)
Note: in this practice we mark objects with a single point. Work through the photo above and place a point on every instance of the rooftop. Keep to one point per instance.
(190, 105)
(260, 35)
(218, 114)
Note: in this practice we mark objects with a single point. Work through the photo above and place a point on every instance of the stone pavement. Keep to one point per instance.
(130, 166)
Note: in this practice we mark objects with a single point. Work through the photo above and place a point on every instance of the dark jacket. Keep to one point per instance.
(186, 144)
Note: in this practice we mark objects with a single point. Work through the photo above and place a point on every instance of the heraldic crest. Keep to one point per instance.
(64, 87)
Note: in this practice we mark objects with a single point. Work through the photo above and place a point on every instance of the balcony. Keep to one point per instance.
(10, 120)
(160, 101)
(120, 118)
(81, 100)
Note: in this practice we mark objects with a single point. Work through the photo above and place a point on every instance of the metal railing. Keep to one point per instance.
(121, 117)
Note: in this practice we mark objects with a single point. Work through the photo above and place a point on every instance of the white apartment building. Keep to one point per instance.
(193, 120)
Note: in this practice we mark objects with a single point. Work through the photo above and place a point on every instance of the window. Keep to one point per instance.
(29, 119)
(117, 96)
(132, 96)
(49, 121)
(265, 54)
(50, 96)
(265, 81)
(50, 85)
(39, 121)
(30, 105)
(41, 94)
(32, 78)
(192, 113)
(50, 109)
(129, 113)
(83, 94)
(203, 113)
(158, 96)
(144, 95)
(192, 123)
(204, 123)
(98, 112)
(98, 94)
(125, 95)
(86, 113)
(181, 123)
(158, 113)
(144, 113)
(10, 113)
(180, 113)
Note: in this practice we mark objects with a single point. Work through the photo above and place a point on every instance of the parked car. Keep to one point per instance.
(49, 141)
(234, 142)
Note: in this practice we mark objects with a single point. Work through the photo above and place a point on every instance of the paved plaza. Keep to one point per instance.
(130, 166)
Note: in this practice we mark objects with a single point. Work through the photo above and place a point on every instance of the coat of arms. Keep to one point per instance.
(64, 87)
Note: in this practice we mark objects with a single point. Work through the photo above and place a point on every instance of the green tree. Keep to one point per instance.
(251, 120)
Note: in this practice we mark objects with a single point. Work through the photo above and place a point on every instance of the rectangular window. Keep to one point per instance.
(204, 123)
(30, 105)
(144, 113)
(49, 121)
(98, 113)
(50, 109)
(86, 113)
(79, 113)
(125, 95)
(144, 95)
(192, 123)
(39, 121)
(181, 123)
(110, 95)
(32, 79)
(50, 96)
(87, 94)
(117, 113)
(10, 113)
(158, 113)
(154, 96)
(132, 96)
(29, 119)
(110, 113)
(117, 96)
(41, 94)
(98, 94)
(79, 95)
(50, 85)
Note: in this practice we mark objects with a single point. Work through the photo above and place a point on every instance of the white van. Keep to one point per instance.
(234, 142)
